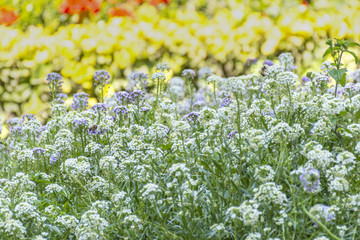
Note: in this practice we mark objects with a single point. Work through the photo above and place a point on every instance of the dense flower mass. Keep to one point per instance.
(267, 155)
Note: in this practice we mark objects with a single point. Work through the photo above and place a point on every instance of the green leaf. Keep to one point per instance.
(353, 44)
(54, 228)
(336, 48)
(354, 55)
(339, 75)
(328, 51)
(340, 41)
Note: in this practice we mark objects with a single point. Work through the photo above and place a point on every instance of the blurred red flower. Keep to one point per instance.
(8, 16)
(152, 2)
(119, 11)
(78, 6)
(157, 2)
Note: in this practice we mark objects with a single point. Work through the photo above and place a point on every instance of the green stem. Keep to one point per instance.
(238, 118)
(216, 105)
(82, 186)
(290, 103)
(338, 62)
(319, 223)
(102, 94)
(191, 94)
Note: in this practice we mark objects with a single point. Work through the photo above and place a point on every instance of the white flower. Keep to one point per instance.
(339, 184)
(67, 221)
(264, 173)
(270, 193)
(149, 191)
(249, 212)
(347, 159)
(214, 79)
(26, 211)
(323, 212)
(28, 197)
(133, 221)
(13, 229)
(79, 167)
(321, 238)
(108, 163)
(91, 225)
(54, 189)
(253, 236)
(287, 60)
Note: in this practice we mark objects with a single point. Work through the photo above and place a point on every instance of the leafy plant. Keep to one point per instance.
(337, 48)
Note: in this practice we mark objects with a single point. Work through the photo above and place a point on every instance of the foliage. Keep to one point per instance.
(336, 49)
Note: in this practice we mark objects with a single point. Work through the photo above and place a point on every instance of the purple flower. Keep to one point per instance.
(305, 80)
(14, 121)
(61, 95)
(135, 77)
(351, 88)
(188, 74)
(101, 78)
(16, 129)
(145, 109)
(79, 123)
(225, 102)
(28, 117)
(38, 150)
(268, 62)
(54, 78)
(93, 130)
(54, 157)
(121, 97)
(199, 99)
(251, 61)
(321, 78)
(80, 101)
(60, 98)
(99, 107)
(329, 215)
(136, 96)
(55, 82)
(15, 125)
(232, 134)
(121, 110)
(193, 117)
(310, 178)
(41, 129)
(323, 212)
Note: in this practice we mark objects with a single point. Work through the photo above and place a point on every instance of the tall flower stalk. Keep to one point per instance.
(101, 78)
(189, 76)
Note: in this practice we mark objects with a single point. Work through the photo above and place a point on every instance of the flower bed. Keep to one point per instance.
(223, 39)
(259, 156)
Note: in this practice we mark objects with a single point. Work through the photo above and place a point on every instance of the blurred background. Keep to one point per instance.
(78, 37)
